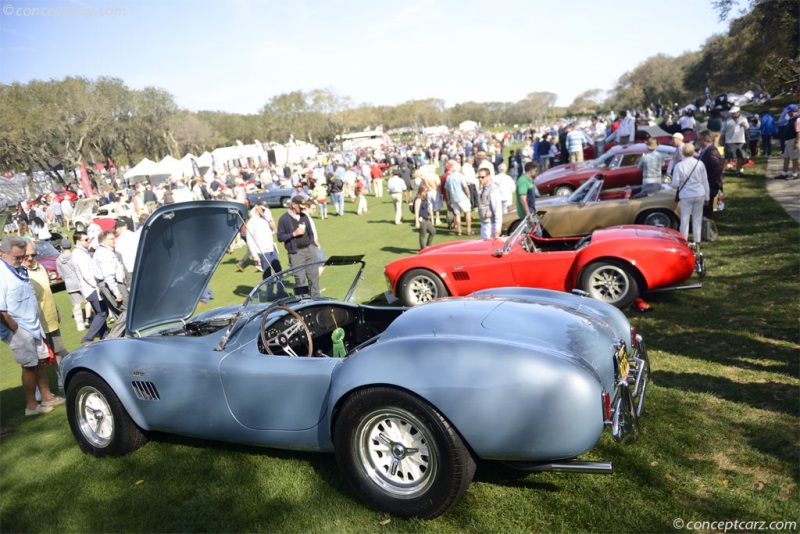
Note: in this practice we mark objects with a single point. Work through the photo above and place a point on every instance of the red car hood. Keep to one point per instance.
(568, 169)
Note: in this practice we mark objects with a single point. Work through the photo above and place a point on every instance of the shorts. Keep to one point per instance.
(27, 349)
(463, 206)
(735, 151)
(791, 151)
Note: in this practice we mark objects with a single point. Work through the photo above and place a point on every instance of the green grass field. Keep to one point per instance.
(719, 436)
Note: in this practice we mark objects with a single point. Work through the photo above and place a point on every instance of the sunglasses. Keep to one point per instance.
(24, 257)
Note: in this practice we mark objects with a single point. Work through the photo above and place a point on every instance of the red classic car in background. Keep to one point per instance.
(46, 256)
(618, 167)
(614, 265)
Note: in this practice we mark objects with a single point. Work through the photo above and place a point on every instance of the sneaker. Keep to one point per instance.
(39, 409)
(793, 177)
(57, 401)
(781, 177)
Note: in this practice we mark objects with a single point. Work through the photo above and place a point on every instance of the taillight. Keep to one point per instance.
(606, 406)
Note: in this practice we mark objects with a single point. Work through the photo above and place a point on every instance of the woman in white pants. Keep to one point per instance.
(690, 179)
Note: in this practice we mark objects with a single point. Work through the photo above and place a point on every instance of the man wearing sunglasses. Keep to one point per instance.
(21, 328)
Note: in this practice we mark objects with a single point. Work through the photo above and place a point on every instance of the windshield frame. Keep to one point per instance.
(278, 277)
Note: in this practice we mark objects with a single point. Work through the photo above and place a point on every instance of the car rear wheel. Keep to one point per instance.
(400, 455)
(562, 190)
(420, 285)
(660, 218)
(610, 281)
(98, 420)
(80, 227)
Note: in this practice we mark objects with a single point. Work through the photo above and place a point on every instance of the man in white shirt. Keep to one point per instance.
(84, 267)
(626, 133)
(396, 186)
(734, 131)
(260, 229)
(126, 244)
(110, 274)
(506, 185)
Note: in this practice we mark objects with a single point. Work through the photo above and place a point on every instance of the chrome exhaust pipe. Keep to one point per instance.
(565, 466)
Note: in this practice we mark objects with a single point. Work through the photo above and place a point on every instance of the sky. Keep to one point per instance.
(234, 55)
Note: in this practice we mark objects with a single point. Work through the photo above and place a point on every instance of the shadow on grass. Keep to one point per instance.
(399, 250)
(771, 396)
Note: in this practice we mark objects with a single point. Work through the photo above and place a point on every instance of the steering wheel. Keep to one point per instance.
(295, 326)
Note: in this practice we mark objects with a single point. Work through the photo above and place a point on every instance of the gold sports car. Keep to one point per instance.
(589, 208)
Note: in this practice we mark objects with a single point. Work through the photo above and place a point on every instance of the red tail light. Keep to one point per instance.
(606, 406)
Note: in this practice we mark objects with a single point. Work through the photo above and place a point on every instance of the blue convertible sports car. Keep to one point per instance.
(407, 399)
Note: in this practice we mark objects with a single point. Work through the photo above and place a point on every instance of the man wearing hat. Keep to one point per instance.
(296, 232)
(66, 270)
(791, 151)
(734, 131)
(677, 157)
(650, 164)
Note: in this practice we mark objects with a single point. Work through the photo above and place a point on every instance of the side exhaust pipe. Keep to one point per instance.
(564, 466)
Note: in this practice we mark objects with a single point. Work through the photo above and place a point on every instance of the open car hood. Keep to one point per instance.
(179, 250)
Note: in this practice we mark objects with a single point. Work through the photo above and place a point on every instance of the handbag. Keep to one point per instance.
(678, 192)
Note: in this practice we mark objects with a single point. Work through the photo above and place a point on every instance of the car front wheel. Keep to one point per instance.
(286, 202)
(610, 281)
(98, 420)
(400, 455)
(420, 285)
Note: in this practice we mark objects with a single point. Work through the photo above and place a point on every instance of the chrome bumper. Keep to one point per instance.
(699, 261)
(630, 396)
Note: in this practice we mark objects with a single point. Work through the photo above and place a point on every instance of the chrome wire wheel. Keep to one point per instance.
(658, 218)
(94, 416)
(396, 453)
(609, 283)
(422, 289)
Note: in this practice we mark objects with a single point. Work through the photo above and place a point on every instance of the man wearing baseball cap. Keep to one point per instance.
(735, 132)
(296, 232)
(791, 151)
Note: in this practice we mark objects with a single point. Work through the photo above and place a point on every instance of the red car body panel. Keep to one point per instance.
(662, 258)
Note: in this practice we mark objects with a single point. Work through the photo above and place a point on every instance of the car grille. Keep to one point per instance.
(145, 391)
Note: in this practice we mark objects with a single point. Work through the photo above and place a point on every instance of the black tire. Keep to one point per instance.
(562, 190)
(513, 226)
(98, 420)
(660, 218)
(286, 202)
(420, 285)
(80, 227)
(611, 281)
(428, 478)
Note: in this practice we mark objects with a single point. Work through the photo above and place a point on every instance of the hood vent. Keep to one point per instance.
(145, 391)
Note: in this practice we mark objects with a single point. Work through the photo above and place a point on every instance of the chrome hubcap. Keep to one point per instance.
(608, 284)
(94, 417)
(395, 453)
(423, 289)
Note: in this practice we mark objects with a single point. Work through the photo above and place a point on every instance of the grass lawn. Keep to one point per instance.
(719, 436)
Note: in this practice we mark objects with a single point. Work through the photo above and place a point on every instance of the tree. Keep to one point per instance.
(586, 102)
(658, 78)
(759, 50)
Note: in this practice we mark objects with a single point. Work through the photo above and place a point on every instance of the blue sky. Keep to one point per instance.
(235, 55)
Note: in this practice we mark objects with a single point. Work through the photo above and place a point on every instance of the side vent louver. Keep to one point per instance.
(145, 391)
(461, 276)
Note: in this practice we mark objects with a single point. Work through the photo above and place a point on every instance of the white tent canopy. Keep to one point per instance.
(144, 168)
(467, 126)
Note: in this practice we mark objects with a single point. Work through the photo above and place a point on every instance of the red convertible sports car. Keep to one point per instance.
(614, 265)
(618, 165)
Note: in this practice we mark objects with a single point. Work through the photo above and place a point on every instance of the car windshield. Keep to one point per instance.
(604, 161)
(584, 192)
(528, 225)
(338, 280)
(45, 249)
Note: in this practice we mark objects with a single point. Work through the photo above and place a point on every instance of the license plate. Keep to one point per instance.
(624, 365)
